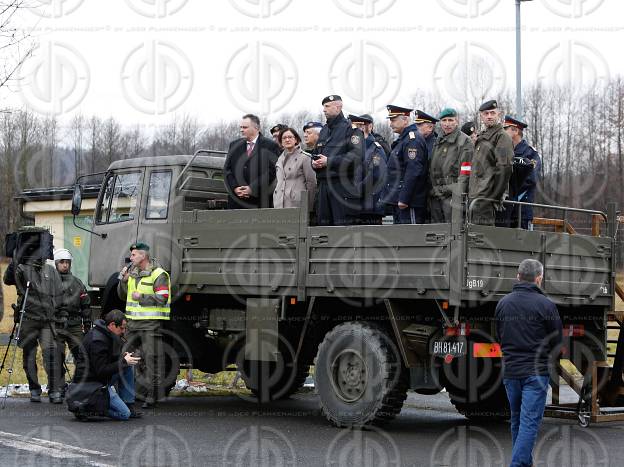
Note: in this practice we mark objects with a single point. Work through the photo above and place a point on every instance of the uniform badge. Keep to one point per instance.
(412, 153)
(376, 160)
(355, 139)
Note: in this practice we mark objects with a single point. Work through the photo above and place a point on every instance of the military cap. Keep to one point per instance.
(448, 112)
(309, 125)
(489, 105)
(278, 127)
(422, 117)
(139, 246)
(468, 128)
(510, 121)
(331, 98)
(396, 111)
(360, 119)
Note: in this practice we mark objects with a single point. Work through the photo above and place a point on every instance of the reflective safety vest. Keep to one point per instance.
(146, 286)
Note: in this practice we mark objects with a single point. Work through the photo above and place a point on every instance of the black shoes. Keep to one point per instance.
(35, 396)
(149, 404)
(55, 398)
(133, 412)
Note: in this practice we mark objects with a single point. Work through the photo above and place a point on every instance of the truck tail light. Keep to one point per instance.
(486, 350)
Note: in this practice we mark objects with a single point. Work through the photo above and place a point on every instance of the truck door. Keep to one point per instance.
(116, 219)
(155, 221)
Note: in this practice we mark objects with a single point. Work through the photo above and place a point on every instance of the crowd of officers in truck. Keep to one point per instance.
(358, 178)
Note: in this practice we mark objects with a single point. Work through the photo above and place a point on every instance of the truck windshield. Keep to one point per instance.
(120, 198)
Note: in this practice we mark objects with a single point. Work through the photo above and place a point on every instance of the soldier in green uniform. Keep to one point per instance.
(491, 165)
(146, 288)
(450, 166)
(74, 309)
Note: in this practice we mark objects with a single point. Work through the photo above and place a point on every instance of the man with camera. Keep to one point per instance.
(75, 307)
(41, 315)
(103, 362)
(146, 289)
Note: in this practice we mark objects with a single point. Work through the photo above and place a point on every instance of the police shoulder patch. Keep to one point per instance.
(412, 153)
(412, 135)
(355, 139)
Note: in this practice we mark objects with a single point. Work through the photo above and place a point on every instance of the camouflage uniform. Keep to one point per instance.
(449, 172)
(491, 170)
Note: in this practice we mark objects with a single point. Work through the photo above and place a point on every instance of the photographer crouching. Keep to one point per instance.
(103, 362)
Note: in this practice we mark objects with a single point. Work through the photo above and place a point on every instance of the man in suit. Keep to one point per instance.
(250, 167)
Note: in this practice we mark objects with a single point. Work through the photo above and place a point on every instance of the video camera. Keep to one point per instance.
(29, 245)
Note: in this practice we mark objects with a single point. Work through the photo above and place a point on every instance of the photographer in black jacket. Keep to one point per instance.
(103, 362)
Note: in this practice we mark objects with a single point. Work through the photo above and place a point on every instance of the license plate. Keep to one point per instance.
(453, 347)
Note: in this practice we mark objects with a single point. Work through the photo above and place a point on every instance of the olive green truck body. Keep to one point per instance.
(379, 309)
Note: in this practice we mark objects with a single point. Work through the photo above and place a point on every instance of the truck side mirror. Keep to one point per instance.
(76, 200)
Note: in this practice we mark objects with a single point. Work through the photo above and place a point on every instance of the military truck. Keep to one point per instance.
(378, 310)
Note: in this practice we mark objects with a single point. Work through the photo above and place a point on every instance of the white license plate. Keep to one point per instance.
(454, 347)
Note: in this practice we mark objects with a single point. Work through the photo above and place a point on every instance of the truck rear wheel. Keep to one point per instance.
(359, 376)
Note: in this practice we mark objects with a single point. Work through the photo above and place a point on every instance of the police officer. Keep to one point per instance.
(426, 126)
(75, 308)
(407, 169)
(378, 137)
(339, 153)
(526, 169)
(146, 288)
(275, 132)
(449, 169)
(373, 178)
(491, 166)
(41, 314)
(311, 131)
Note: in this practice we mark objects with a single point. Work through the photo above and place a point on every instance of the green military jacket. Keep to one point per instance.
(450, 164)
(491, 164)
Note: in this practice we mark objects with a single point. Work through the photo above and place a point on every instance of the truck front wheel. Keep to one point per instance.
(359, 376)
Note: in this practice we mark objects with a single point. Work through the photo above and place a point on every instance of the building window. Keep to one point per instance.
(158, 197)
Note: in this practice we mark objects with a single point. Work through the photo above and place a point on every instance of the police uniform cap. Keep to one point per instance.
(448, 112)
(510, 121)
(360, 119)
(331, 98)
(278, 127)
(309, 125)
(488, 105)
(422, 117)
(396, 111)
(139, 246)
(468, 128)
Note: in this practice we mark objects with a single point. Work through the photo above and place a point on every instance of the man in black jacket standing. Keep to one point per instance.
(104, 363)
(530, 331)
(339, 155)
(249, 168)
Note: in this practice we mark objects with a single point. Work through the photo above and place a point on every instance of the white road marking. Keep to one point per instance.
(51, 448)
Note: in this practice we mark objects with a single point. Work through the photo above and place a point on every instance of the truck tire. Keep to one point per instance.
(359, 376)
(495, 407)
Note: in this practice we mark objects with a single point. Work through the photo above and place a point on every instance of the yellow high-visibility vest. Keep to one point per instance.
(145, 286)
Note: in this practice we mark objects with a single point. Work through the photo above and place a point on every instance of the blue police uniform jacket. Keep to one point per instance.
(373, 178)
(526, 191)
(408, 167)
(344, 147)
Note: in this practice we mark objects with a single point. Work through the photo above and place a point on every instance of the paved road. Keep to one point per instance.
(229, 431)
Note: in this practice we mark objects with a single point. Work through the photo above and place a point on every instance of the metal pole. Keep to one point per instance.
(518, 62)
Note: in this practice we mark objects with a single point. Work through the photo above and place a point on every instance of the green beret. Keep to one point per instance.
(139, 246)
(448, 112)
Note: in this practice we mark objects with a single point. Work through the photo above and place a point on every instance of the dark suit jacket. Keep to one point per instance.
(256, 171)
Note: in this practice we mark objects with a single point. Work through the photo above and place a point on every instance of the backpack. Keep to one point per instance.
(88, 399)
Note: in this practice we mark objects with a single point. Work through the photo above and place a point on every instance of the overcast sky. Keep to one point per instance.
(141, 61)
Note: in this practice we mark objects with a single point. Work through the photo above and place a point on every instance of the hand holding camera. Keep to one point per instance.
(131, 359)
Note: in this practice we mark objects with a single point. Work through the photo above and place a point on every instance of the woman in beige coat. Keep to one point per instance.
(294, 173)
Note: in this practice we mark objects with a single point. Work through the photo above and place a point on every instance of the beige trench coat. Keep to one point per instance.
(294, 174)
